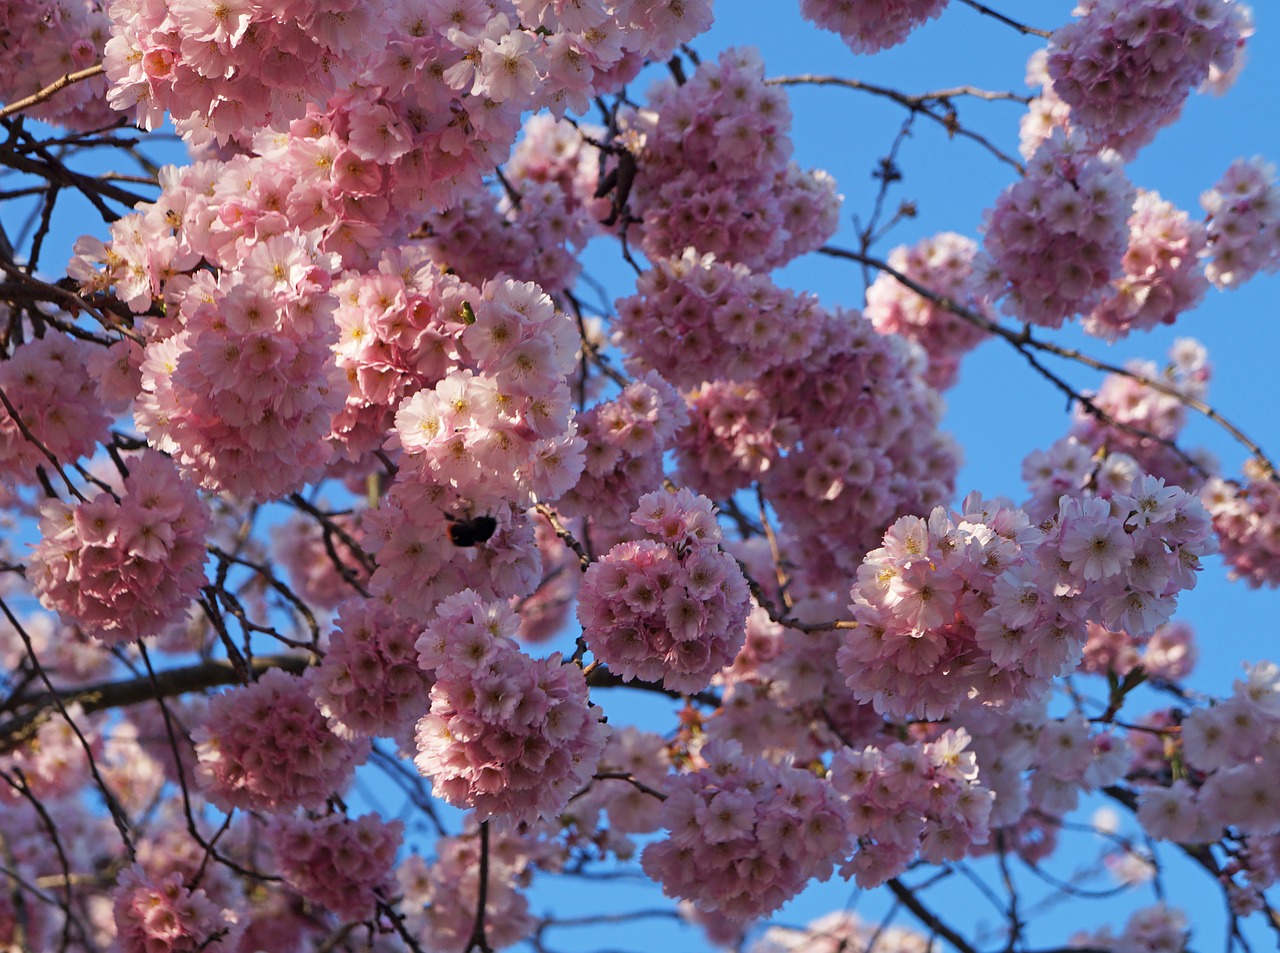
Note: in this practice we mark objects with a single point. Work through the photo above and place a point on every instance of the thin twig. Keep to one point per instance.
(51, 90)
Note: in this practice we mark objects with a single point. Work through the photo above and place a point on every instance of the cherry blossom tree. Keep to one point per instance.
(427, 502)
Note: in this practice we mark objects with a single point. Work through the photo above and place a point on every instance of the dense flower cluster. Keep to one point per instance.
(1169, 653)
(47, 383)
(46, 39)
(1162, 276)
(1142, 423)
(944, 265)
(714, 171)
(502, 431)
(869, 26)
(536, 229)
(1246, 517)
(266, 747)
(161, 915)
(369, 682)
(670, 609)
(343, 865)
(985, 606)
(1037, 768)
(746, 835)
(229, 68)
(507, 735)
(905, 799)
(418, 562)
(625, 439)
(694, 318)
(630, 755)
(1056, 237)
(243, 395)
(127, 567)
(843, 442)
(1244, 223)
(1125, 68)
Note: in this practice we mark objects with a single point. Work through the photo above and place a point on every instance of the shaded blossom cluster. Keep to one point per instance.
(671, 608)
(714, 170)
(47, 382)
(440, 898)
(869, 26)
(745, 835)
(1125, 68)
(545, 215)
(46, 39)
(944, 265)
(161, 915)
(344, 865)
(694, 318)
(507, 736)
(266, 746)
(625, 439)
(1054, 240)
(841, 932)
(369, 682)
(842, 442)
(124, 567)
(908, 799)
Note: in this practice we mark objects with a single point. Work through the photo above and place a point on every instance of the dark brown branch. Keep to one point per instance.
(923, 104)
(105, 695)
(1007, 21)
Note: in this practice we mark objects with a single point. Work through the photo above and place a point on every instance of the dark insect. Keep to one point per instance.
(472, 530)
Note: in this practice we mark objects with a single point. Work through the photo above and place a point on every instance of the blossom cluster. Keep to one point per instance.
(230, 68)
(1244, 223)
(841, 932)
(1246, 518)
(868, 27)
(1162, 273)
(243, 395)
(784, 696)
(694, 317)
(745, 835)
(984, 605)
(670, 609)
(322, 568)
(47, 383)
(1055, 238)
(1232, 749)
(625, 439)
(342, 864)
(45, 40)
(265, 746)
(714, 172)
(507, 735)
(944, 265)
(1142, 421)
(369, 682)
(1125, 68)
(1037, 767)
(161, 915)
(440, 898)
(534, 231)
(905, 799)
(631, 759)
(418, 562)
(842, 442)
(504, 430)
(124, 567)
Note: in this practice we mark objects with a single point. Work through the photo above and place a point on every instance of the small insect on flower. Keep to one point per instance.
(472, 530)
